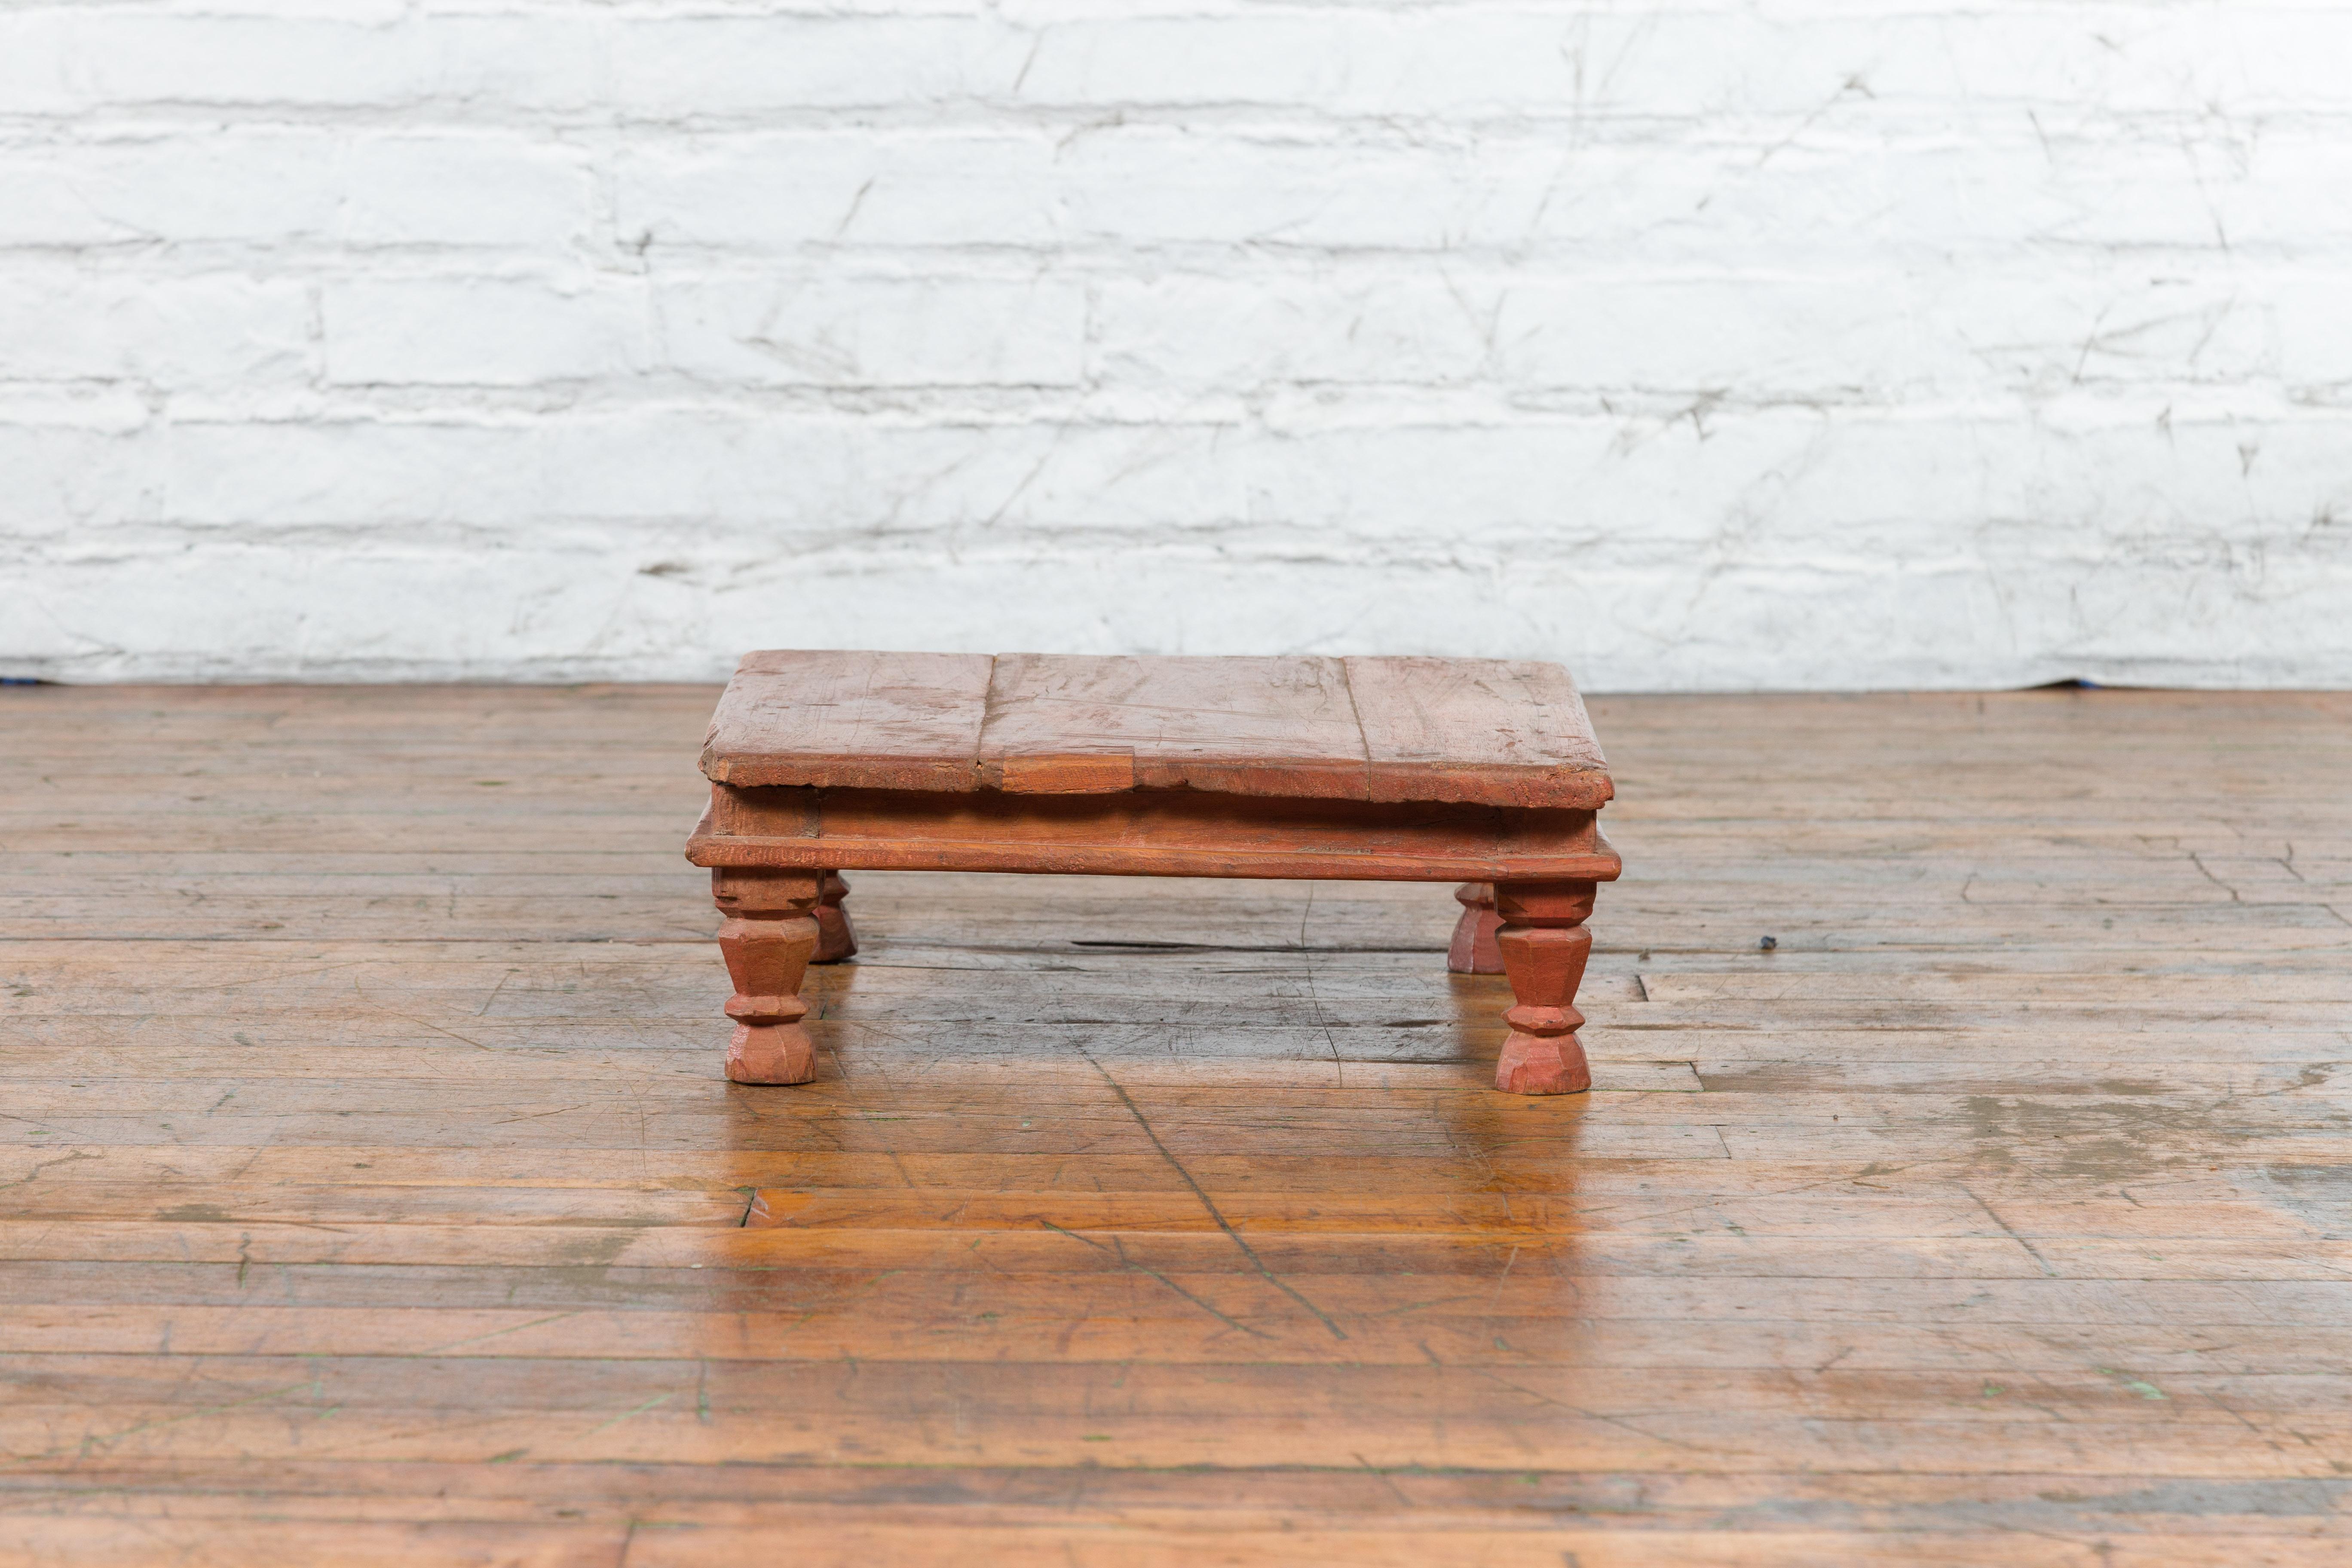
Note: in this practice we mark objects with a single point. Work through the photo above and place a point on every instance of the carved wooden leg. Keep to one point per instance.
(1474, 950)
(835, 938)
(769, 938)
(1545, 946)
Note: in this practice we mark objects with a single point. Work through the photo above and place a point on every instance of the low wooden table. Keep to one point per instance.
(1405, 770)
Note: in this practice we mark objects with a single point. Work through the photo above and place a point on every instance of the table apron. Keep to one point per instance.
(1148, 833)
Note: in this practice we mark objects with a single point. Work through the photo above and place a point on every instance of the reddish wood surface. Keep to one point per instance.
(1545, 948)
(1146, 833)
(1509, 733)
(1479, 732)
(769, 938)
(875, 721)
(835, 938)
(1357, 769)
(1473, 949)
(1246, 726)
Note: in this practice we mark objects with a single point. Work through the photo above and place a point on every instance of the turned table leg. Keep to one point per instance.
(1544, 946)
(769, 938)
(1472, 950)
(835, 940)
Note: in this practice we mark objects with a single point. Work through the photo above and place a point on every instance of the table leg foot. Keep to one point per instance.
(1535, 1064)
(771, 1052)
(835, 938)
(1545, 948)
(1472, 950)
(770, 936)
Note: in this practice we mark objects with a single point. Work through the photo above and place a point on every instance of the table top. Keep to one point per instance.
(1488, 731)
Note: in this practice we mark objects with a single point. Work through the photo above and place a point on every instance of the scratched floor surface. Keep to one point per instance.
(371, 1194)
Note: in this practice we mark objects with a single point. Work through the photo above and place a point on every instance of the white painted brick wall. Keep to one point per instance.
(1835, 342)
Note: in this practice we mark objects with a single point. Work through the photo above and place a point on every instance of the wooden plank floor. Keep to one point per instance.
(371, 1194)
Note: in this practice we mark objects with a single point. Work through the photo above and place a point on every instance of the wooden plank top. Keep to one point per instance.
(1485, 731)
(869, 721)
